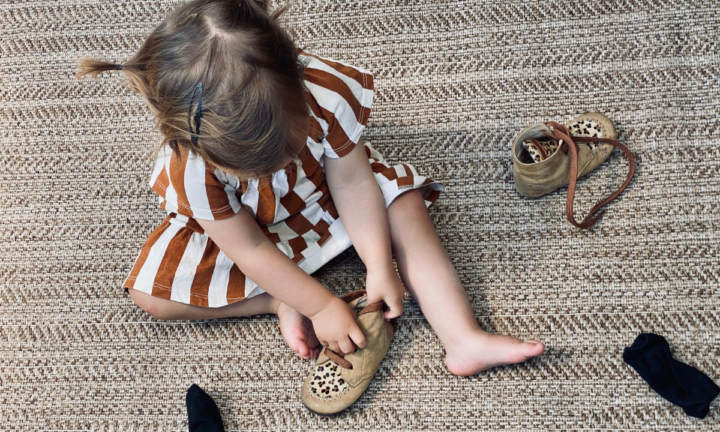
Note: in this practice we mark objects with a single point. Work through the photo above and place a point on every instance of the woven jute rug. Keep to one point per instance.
(455, 81)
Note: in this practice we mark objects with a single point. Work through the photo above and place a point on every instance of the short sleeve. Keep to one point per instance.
(191, 187)
(343, 96)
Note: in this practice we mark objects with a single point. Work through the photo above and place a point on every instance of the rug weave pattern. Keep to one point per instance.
(455, 81)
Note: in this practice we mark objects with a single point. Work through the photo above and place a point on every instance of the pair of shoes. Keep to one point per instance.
(547, 156)
(338, 380)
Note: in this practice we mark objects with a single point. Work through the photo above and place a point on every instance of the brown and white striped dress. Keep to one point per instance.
(292, 206)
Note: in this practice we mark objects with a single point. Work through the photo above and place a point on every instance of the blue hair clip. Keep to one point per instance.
(198, 114)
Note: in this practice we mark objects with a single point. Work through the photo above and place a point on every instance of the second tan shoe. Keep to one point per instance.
(338, 380)
(547, 156)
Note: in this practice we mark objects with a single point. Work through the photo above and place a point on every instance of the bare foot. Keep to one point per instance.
(298, 332)
(481, 351)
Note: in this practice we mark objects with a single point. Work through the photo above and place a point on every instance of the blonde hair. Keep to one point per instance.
(253, 97)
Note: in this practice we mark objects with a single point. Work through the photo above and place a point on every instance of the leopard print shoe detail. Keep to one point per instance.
(540, 149)
(327, 383)
(588, 128)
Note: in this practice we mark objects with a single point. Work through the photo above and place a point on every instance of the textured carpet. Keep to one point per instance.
(455, 80)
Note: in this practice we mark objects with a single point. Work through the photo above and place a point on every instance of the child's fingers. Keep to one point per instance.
(346, 345)
(396, 309)
(358, 337)
(334, 346)
(392, 314)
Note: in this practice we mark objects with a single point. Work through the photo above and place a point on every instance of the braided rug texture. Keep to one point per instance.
(455, 82)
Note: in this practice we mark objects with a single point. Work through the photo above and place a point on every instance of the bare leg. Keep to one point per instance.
(295, 328)
(427, 272)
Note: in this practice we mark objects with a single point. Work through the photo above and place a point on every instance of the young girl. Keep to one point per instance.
(265, 178)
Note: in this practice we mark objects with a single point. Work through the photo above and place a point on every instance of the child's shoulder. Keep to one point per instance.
(336, 75)
(335, 66)
(341, 100)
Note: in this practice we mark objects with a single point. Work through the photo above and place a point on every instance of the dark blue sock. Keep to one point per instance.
(676, 381)
(203, 414)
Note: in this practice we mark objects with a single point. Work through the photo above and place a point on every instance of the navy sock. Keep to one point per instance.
(676, 381)
(203, 414)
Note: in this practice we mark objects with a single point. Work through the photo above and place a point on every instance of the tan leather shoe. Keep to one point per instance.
(547, 156)
(337, 380)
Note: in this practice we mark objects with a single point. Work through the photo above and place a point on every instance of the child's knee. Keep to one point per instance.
(409, 202)
(151, 305)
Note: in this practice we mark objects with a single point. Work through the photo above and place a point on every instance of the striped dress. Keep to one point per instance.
(293, 206)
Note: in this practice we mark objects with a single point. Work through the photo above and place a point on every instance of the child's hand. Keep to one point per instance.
(335, 327)
(385, 284)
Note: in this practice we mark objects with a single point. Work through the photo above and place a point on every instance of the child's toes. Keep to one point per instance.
(298, 345)
(313, 341)
(534, 348)
(303, 350)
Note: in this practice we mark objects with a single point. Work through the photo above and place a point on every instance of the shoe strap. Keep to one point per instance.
(561, 133)
(338, 358)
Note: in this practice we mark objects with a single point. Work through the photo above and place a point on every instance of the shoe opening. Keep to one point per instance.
(524, 156)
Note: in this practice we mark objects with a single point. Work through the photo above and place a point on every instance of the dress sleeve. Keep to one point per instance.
(343, 96)
(191, 187)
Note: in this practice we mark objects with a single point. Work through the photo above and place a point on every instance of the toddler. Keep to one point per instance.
(265, 178)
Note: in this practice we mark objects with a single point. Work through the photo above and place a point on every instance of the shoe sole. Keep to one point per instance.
(323, 414)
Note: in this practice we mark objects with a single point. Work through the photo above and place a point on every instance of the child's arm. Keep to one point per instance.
(361, 207)
(242, 240)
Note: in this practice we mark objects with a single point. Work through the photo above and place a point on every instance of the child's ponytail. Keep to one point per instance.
(95, 67)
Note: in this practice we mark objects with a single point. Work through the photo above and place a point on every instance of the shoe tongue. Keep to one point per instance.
(359, 303)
